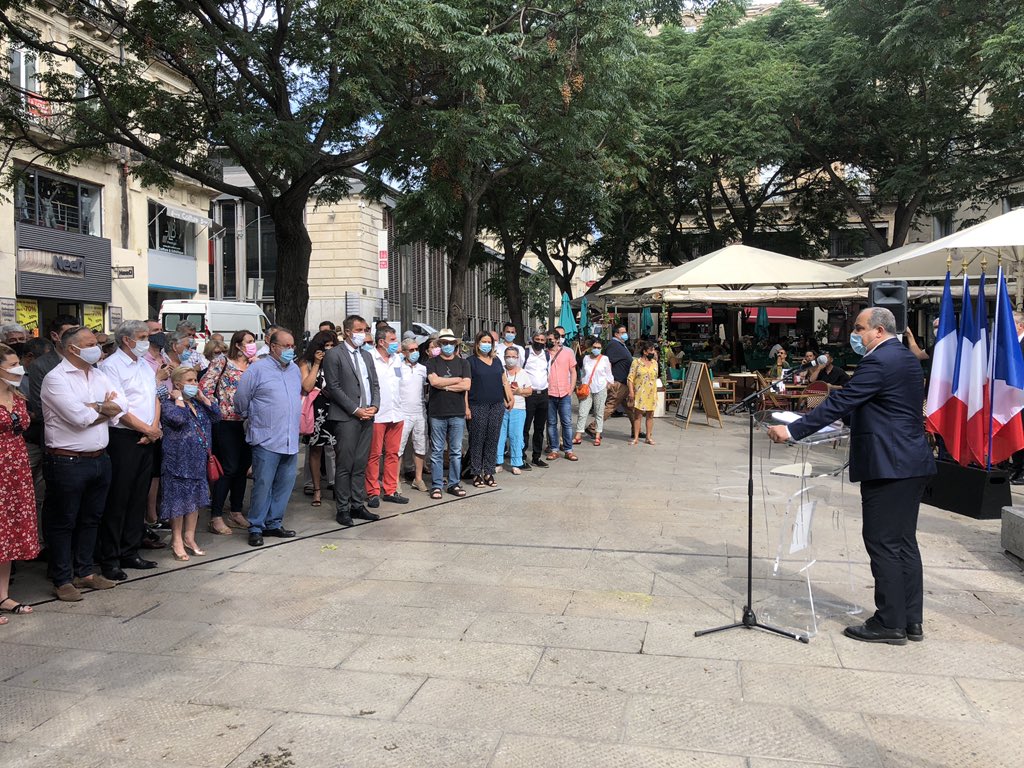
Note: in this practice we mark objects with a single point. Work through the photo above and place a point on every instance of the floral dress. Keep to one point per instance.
(187, 437)
(18, 539)
(321, 434)
(644, 378)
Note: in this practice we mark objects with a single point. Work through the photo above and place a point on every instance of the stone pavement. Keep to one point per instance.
(548, 623)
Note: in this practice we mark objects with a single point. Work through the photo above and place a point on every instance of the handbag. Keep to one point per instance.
(307, 416)
(214, 470)
(583, 390)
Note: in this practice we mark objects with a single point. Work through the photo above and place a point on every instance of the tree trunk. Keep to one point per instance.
(514, 291)
(458, 267)
(291, 284)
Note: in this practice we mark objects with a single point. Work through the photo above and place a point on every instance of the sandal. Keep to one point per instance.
(478, 481)
(577, 440)
(649, 441)
(316, 498)
(457, 490)
(236, 519)
(17, 609)
(225, 531)
(516, 471)
(553, 455)
(597, 441)
(571, 456)
(490, 482)
(436, 494)
(633, 442)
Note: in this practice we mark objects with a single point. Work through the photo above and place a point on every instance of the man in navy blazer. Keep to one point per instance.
(892, 460)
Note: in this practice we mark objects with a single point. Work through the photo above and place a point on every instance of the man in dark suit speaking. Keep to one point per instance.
(891, 459)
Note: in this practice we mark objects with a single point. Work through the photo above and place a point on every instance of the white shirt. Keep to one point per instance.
(502, 346)
(522, 378)
(602, 375)
(67, 394)
(411, 386)
(389, 373)
(537, 366)
(136, 380)
(364, 375)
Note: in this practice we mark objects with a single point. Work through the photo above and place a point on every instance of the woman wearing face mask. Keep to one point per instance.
(597, 374)
(18, 539)
(311, 367)
(186, 416)
(488, 394)
(643, 390)
(514, 420)
(179, 350)
(229, 445)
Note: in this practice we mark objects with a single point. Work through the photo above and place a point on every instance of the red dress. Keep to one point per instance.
(18, 538)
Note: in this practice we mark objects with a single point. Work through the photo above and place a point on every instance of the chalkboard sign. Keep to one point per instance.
(698, 383)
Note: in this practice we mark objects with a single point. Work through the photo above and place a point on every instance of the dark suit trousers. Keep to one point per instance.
(351, 454)
(537, 417)
(131, 469)
(890, 510)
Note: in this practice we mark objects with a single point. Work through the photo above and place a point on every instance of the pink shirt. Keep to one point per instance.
(560, 375)
(69, 418)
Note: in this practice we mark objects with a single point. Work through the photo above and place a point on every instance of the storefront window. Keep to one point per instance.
(170, 234)
(58, 203)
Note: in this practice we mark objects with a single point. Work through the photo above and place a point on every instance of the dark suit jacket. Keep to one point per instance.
(620, 359)
(343, 387)
(884, 401)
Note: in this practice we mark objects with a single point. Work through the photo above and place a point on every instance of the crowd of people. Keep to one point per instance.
(107, 442)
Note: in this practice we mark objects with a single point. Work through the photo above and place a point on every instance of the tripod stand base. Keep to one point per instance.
(750, 622)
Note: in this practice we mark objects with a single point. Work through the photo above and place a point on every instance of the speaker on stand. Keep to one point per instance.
(891, 294)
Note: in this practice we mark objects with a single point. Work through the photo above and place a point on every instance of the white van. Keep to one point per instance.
(209, 317)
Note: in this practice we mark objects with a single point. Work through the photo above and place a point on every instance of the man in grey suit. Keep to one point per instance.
(354, 392)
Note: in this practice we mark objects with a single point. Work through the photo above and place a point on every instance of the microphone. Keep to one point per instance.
(816, 362)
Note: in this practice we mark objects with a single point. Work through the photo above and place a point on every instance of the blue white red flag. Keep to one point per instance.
(945, 414)
(977, 393)
(1007, 380)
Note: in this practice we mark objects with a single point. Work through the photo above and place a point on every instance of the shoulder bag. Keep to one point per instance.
(214, 471)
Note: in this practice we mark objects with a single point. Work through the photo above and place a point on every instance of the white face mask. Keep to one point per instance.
(90, 355)
(358, 339)
(13, 376)
(141, 348)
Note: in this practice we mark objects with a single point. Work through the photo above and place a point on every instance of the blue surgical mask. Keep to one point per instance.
(595, 351)
(392, 347)
(414, 356)
(485, 348)
(448, 349)
(510, 337)
(858, 344)
(185, 356)
(624, 337)
(190, 390)
(288, 355)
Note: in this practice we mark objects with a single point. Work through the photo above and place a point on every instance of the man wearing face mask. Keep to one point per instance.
(131, 453)
(561, 383)
(449, 378)
(536, 361)
(891, 459)
(387, 422)
(412, 386)
(354, 392)
(269, 396)
(508, 341)
(197, 359)
(79, 404)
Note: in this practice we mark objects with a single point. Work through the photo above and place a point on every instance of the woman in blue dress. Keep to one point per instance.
(186, 417)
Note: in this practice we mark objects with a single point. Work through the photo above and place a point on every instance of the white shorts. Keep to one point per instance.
(414, 426)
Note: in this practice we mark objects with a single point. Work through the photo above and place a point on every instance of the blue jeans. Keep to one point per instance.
(512, 428)
(446, 433)
(273, 478)
(76, 492)
(560, 410)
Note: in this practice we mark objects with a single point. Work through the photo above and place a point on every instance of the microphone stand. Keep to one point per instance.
(749, 619)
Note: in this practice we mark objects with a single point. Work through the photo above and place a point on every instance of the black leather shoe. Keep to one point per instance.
(1017, 478)
(138, 563)
(373, 502)
(539, 463)
(873, 631)
(255, 540)
(526, 467)
(364, 514)
(395, 498)
(345, 519)
(278, 533)
(915, 633)
(114, 574)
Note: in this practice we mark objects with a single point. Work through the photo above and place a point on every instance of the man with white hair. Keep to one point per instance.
(13, 333)
(413, 385)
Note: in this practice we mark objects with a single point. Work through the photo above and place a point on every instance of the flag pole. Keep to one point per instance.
(992, 364)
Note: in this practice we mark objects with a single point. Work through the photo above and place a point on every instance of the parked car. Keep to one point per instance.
(209, 317)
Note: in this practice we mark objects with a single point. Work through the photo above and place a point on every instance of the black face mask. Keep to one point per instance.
(649, 355)
(158, 340)
(18, 347)
(538, 346)
(550, 345)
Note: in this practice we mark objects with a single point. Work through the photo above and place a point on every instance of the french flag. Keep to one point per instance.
(1007, 380)
(977, 394)
(946, 414)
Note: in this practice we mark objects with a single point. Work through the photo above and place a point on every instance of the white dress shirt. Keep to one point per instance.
(411, 387)
(602, 376)
(136, 381)
(364, 375)
(389, 377)
(537, 366)
(67, 395)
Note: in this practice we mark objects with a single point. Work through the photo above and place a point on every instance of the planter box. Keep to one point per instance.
(969, 491)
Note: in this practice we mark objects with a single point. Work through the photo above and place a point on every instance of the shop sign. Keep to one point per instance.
(116, 316)
(123, 273)
(8, 311)
(27, 314)
(382, 258)
(92, 317)
(49, 263)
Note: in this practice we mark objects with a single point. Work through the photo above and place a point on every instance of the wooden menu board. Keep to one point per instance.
(698, 384)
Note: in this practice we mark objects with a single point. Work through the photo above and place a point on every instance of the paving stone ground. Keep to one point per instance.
(548, 623)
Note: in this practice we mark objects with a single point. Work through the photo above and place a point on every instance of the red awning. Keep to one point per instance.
(691, 317)
(775, 314)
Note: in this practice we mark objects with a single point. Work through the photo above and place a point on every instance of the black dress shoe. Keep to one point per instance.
(539, 463)
(873, 631)
(114, 574)
(395, 498)
(1017, 478)
(915, 633)
(278, 533)
(526, 467)
(138, 563)
(255, 540)
(373, 502)
(364, 514)
(345, 519)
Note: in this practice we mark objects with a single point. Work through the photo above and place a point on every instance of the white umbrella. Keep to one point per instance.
(739, 267)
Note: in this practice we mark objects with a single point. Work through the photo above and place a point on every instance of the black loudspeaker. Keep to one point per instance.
(891, 294)
(969, 491)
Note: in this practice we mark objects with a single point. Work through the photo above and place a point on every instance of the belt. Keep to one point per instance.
(539, 392)
(75, 454)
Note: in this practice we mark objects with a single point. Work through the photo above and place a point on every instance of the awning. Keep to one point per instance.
(775, 314)
(691, 317)
(183, 215)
